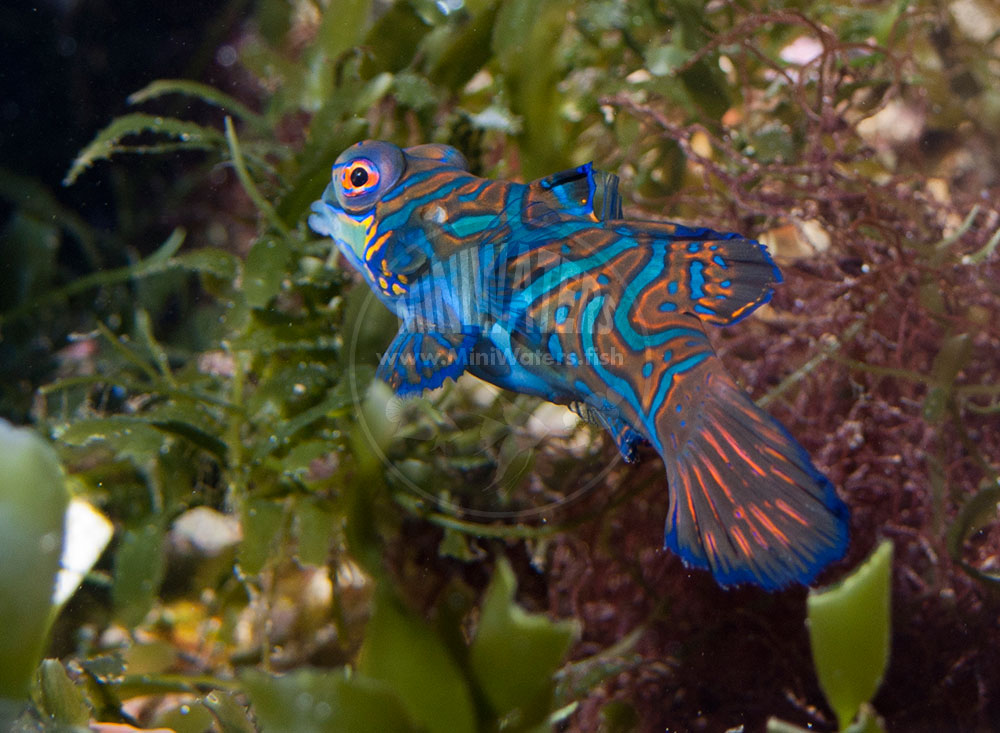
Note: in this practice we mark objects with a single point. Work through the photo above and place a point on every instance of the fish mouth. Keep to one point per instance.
(330, 220)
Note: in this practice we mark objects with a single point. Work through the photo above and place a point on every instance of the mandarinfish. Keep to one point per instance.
(544, 288)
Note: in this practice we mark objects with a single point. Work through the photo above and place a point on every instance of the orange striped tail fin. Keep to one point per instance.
(746, 502)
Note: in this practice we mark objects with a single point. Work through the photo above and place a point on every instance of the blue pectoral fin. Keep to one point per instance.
(419, 360)
(402, 257)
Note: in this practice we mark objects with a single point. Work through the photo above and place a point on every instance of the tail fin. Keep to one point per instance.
(746, 502)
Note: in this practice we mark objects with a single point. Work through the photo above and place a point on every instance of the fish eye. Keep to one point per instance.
(364, 173)
(358, 177)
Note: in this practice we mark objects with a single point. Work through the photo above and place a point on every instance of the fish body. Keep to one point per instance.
(545, 288)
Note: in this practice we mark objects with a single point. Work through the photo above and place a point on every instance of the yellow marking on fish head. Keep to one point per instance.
(376, 246)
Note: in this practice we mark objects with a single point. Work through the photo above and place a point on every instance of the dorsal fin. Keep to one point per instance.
(606, 196)
(580, 191)
(722, 280)
(445, 155)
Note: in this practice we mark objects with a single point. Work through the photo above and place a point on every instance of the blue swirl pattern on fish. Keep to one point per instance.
(546, 289)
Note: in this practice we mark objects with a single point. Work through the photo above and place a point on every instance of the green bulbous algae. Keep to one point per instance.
(33, 501)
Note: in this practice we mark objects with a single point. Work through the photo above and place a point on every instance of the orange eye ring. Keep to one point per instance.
(358, 177)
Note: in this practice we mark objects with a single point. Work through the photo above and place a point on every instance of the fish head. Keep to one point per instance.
(361, 176)
(366, 190)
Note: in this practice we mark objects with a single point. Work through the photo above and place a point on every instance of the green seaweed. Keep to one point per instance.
(111, 140)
